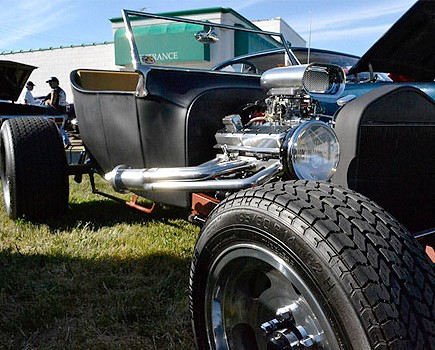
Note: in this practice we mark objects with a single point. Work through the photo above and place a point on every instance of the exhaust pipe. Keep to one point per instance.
(190, 178)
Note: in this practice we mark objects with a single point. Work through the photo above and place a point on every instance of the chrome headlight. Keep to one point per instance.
(311, 151)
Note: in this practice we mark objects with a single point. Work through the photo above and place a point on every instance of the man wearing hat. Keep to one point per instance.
(28, 97)
(57, 99)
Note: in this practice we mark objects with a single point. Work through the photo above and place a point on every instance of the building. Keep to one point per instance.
(60, 61)
(177, 38)
(280, 26)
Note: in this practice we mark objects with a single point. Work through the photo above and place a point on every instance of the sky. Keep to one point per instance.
(350, 26)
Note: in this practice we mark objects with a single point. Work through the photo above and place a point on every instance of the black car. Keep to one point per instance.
(13, 78)
(314, 223)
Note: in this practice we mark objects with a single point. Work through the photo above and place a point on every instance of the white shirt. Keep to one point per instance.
(28, 98)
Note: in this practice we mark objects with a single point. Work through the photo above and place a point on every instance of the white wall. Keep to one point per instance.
(280, 26)
(59, 62)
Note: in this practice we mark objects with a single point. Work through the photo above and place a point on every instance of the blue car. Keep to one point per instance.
(259, 62)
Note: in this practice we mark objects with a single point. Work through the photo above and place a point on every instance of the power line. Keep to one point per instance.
(28, 33)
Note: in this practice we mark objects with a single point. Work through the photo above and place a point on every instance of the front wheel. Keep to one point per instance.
(295, 265)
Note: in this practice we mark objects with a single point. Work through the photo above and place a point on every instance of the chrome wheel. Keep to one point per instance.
(4, 178)
(258, 301)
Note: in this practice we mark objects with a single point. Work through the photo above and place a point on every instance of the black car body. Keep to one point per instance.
(177, 110)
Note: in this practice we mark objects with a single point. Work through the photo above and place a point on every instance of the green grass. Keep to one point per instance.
(101, 277)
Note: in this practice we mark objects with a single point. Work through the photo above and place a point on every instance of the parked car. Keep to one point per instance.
(13, 78)
(259, 62)
(314, 224)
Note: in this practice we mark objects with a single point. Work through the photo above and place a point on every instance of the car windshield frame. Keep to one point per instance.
(134, 51)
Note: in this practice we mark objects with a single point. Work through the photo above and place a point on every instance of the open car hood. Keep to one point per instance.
(13, 78)
(407, 48)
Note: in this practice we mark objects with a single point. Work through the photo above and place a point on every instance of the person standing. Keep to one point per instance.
(28, 97)
(57, 99)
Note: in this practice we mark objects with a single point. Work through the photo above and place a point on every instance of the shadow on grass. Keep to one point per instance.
(57, 302)
(107, 212)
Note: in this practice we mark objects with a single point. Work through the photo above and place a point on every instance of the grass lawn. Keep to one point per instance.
(101, 277)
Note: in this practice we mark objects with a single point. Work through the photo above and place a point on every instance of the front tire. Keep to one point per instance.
(34, 169)
(345, 273)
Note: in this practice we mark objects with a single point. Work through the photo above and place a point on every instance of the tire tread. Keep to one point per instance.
(41, 170)
(383, 268)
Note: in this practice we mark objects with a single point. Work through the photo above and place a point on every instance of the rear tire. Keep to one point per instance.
(34, 169)
(348, 270)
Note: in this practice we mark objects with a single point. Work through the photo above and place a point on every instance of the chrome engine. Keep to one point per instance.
(289, 115)
(283, 136)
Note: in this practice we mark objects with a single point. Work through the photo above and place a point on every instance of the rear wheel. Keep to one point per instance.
(34, 170)
(305, 264)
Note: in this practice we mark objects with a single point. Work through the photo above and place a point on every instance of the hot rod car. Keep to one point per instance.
(314, 222)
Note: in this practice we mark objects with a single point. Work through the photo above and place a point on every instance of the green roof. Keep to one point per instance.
(192, 12)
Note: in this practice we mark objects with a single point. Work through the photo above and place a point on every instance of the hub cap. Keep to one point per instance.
(258, 301)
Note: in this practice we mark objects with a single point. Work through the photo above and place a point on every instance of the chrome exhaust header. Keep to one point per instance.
(198, 178)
